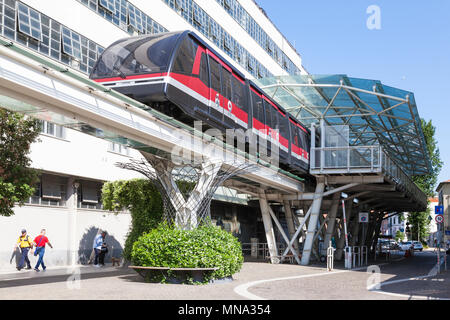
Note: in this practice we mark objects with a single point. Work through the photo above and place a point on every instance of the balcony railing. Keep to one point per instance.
(360, 160)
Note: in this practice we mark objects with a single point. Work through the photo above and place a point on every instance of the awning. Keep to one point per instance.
(375, 113)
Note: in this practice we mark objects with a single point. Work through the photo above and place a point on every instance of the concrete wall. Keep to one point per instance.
(70, 232)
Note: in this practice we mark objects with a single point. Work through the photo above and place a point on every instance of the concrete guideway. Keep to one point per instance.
(35, 86)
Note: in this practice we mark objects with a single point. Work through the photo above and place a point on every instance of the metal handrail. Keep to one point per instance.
(377, 161)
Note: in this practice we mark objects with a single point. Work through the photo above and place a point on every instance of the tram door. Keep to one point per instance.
(216, 101)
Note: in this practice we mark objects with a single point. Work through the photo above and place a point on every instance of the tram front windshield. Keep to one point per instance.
(134, 56)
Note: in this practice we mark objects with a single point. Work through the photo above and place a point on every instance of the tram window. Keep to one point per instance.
(150, 54)
(258, 111)
(283, 123)
(215, 75)
(304, 140)
(295, 138)
(226, 83)
(269, 109)
(238, 94)
(275, 114)
(184, 61)
(204, 76)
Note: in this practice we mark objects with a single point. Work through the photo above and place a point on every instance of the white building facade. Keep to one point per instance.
(73, 166)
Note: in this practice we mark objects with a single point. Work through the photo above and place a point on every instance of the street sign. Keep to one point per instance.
(439, 218)
(439, 209)
(364, 217)
(447, 232)
(402, 230)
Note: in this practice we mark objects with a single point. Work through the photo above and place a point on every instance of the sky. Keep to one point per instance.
(410, 51)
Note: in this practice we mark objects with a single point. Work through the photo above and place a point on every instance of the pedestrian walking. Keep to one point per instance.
(40, 241)
(97, 245)
(25, 244)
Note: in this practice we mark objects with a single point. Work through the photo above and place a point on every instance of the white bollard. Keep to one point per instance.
(330, 257)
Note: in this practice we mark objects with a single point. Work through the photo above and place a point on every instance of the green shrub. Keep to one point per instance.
(142, 199)
(204, 247)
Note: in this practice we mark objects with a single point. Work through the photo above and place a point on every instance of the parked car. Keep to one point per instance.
(418, 245)
(406, 245)
(388, 245)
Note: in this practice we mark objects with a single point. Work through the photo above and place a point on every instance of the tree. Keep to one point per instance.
(427, 183)
(399, 236)
(16, 177)
(142, 199)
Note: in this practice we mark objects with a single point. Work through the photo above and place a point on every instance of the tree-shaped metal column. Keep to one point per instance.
(187, 190)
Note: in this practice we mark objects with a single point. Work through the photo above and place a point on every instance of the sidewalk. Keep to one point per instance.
(52, 272)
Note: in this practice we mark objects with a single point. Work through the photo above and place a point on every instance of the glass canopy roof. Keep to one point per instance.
(375, 113)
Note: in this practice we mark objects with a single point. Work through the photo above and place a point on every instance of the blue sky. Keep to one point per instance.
(411, 51)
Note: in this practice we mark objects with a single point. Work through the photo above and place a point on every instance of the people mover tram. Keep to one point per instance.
(178, 74)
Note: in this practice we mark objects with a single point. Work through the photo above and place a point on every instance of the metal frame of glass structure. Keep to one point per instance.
(375, 113)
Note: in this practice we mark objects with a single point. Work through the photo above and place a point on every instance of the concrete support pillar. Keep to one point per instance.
(370, 229)
(331, 224)
(268, 228)
(72, 204)
(374, 240)
(290, 222)
(340, 245)
(312, 225)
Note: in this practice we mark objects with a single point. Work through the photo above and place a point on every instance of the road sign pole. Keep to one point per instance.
(445, 247)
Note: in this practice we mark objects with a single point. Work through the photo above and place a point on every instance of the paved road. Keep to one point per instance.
(294, 282)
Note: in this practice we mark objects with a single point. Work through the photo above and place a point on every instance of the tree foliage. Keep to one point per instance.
(399, 236)
(427, 183)
(16, 177)
(142, 199)
(419, 222)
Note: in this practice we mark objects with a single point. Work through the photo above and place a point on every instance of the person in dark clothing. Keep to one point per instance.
(25, 243)
(102, 254)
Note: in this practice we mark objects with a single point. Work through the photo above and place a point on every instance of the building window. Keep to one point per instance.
(107, 5)
(90, 195)
(49, 191)
(38, 32)
(71, 43)
(29, 21)
(135, 19)
(118, 148)
(52, 129)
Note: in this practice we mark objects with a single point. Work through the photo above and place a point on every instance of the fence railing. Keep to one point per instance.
(346, 158)
(363, 159)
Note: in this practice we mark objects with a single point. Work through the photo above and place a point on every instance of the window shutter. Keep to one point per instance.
(89, 192)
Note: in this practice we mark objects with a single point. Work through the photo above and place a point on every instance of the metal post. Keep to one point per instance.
(341, 243)
(330, 257)
(348, 250)
(313, 146)
(322, 145)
